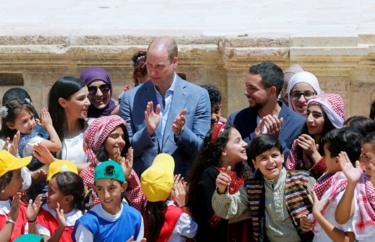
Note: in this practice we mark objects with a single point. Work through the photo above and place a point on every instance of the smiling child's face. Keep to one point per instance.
(269, 163)
(110, 194)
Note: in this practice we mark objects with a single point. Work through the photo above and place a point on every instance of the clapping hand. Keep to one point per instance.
(179, 122)
(152, 118)
(15, 209)
(12, 147)
(307, 143)
(269, 124)
(33, 208)
(60, 216)
(42, 153)
(127, 163)
(179, 191)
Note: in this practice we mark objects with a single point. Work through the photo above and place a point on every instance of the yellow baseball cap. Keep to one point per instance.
(9, 162)
(157, 180)
(61, 166)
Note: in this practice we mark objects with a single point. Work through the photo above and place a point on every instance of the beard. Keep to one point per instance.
(257, 105)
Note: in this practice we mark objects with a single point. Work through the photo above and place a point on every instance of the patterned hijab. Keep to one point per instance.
(333, 106)
(97, 133)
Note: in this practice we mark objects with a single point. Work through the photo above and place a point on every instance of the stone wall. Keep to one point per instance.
(345, 65)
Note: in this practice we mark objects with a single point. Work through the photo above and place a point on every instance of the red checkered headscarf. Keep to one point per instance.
(96, 134)
(333, 106)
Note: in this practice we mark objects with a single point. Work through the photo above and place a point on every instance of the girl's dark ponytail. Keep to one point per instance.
(70, 183)
(155, 216)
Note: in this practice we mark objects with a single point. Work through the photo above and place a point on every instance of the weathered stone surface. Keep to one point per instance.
(347, 70)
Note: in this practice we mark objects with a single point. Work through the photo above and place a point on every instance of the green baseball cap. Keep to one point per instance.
(109, 169)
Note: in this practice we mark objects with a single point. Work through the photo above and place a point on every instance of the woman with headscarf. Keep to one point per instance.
(301, 87)
(324, 113)
(99, 85)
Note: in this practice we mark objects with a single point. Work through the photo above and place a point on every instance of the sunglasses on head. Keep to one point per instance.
(105, 88)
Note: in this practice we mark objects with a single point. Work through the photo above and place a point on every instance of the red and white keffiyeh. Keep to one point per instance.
(97, 133)
(364, 217)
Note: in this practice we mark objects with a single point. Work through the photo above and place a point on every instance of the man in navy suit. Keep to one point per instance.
(265, 113)
(165, 114)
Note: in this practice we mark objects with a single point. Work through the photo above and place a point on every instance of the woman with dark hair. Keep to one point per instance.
(324, 113)
(68, 105)
(106, 138)
(99, 84)
(223, 148)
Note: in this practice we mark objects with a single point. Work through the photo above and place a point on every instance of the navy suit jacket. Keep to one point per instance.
(184, 147)
(246, 122)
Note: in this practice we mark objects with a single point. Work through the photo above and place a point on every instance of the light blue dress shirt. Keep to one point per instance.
(165, 105)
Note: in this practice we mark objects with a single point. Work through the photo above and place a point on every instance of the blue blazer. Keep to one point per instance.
(246, 122)
(184, 147)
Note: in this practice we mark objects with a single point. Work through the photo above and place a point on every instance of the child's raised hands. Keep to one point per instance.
(45, 118)
(16, 201)
(42, 153)
(12, 147)
(60, 216)
(179, 191)
(127, 163)
(352, 173)
(318, 205)
(223, 180)
(33, 208)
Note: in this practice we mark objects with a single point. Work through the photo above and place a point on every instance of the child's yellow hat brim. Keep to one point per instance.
(9, 162)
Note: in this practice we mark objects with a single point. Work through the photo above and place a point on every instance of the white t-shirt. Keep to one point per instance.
(329, 214)
(72, 149)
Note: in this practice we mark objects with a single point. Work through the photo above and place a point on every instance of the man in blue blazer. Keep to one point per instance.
(265, 113)
(165, 114)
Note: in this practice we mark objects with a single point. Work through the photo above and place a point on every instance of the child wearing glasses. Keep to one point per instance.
(99, 84)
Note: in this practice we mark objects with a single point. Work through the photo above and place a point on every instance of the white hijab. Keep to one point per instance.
(305, 77)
